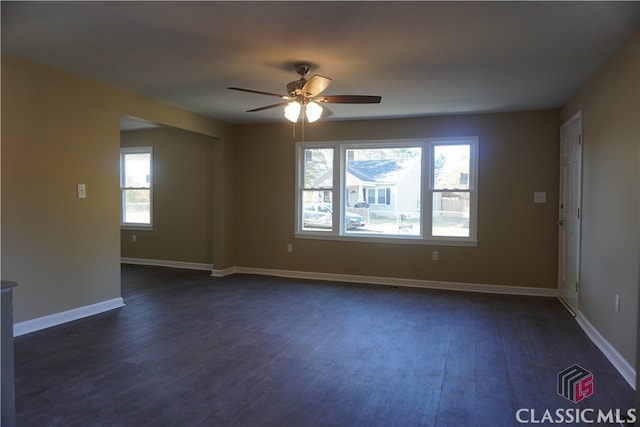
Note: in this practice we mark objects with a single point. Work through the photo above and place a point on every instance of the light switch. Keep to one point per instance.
(539, 197)
(82, 191)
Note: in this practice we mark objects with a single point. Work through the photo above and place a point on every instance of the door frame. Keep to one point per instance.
(577, 117)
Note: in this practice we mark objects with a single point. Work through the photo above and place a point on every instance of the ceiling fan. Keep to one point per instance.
(304, 95)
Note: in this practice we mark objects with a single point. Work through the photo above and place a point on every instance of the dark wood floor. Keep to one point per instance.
(192, 350)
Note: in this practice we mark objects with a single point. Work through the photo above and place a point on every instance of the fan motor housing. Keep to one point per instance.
(294, 88)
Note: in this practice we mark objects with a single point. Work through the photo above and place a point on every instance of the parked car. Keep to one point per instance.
(320, 215)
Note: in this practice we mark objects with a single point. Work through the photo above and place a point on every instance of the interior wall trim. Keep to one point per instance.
(33, 325)
(618, 362)
(167, 263)
(394, 281)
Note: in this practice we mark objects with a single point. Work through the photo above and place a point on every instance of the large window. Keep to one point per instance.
(136, 185)
(415, 191)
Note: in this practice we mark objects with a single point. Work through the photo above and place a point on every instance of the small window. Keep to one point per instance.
(378, 196)
(317, 189)
(451, 191)
(136, 185)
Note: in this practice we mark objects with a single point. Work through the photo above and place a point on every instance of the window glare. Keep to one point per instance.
(451, 166)
(138, 170)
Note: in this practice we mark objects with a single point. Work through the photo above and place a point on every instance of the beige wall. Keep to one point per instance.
(610, 105)
(519, 154)
(59, 130)
(182, 197)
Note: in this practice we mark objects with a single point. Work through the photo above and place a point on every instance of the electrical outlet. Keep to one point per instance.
(134, 238)
(434, 255)
(289, 247)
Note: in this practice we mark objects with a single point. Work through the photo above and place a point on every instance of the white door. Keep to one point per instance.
(570, 215)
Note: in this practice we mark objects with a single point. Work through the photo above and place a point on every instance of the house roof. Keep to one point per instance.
(378, 171)
(370, 172)
(422, 57)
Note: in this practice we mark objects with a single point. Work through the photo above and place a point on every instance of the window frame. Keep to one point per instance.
(135, 225)
(472, 189)
(300, 189)
(427, 146)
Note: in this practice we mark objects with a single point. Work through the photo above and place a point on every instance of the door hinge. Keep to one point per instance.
(576, 286)
(579, 139)
(578, 213)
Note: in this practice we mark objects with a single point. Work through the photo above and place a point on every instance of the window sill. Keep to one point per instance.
(136, 227)
(402, 240)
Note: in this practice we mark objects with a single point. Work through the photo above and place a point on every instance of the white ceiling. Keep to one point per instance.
(423, 58)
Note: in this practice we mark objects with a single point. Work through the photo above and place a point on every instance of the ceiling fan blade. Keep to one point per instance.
(315, 85)
(350, 99)
(280, 104)
(259, 92)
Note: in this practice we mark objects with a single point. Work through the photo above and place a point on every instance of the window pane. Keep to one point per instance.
(317, 210)
(318, 168)
(450, 214)
(136, 206)
(390, 179)
(371, 196)
(317, 198)
(451, 167)
(137, 168)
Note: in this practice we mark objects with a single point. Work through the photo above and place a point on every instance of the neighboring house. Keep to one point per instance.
(385, 187)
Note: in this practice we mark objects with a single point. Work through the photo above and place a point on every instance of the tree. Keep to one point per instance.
(317, 162)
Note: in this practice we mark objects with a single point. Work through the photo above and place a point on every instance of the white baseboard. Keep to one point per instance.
(223, 272)
(392, 281)
(44, 322)
(166, 263)
(623, 367)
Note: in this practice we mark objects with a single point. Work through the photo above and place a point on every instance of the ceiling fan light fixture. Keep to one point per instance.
(292, 111)
(313, 111)
(301, 94)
